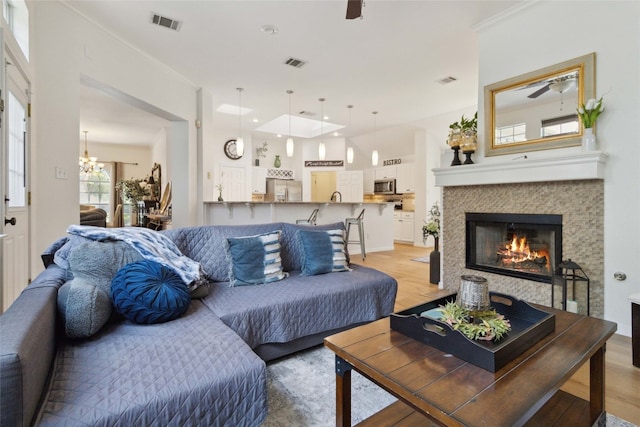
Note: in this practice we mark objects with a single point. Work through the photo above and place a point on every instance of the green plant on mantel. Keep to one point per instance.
(466, 125)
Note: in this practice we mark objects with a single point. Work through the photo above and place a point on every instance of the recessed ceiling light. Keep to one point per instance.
(272, 30)
(233, 109)
(255, 120)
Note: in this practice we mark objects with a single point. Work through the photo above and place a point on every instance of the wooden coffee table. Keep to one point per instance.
(437, 387)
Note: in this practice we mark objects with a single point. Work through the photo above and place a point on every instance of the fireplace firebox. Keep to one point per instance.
(527, 246)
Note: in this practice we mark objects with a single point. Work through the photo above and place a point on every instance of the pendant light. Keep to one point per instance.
(240, 140)
(89, 164)
(374, 154)
(322, 150)
(350, 149)
(289, 140)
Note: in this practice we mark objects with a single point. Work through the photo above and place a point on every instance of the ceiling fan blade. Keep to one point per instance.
(354, 9)
(540, 91)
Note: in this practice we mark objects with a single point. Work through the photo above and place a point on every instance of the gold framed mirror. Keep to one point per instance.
(156, 185)
(537, 110)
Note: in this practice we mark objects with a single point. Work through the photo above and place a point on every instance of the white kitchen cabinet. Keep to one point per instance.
(259, 181)
(350, 186)
(386, 172)
(403, 226)
(369, 176)
(405, 179)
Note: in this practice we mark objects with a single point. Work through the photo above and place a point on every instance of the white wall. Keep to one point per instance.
(432, 151)
(126, 154)
(66, 46)
(611, 29)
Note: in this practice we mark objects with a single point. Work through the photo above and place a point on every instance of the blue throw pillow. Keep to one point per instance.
(255, 259)
(148, 292)
(323, 252)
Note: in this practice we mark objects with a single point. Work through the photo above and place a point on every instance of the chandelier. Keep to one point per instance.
(89, 164)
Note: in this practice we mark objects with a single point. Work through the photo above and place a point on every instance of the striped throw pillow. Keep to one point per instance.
(323, 252)
(255, 259)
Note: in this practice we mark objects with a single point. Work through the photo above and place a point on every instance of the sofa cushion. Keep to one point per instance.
(299, 306)
(193, 371)
(148, 292)
(255, 259)
(84, 308)
(207, 245)
(323, 251)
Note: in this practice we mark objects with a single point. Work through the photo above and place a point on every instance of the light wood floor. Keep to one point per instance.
(622, 378)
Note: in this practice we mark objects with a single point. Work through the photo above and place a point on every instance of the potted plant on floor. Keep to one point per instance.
(432, 228)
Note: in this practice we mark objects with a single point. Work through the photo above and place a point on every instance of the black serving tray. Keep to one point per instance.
(528, 326)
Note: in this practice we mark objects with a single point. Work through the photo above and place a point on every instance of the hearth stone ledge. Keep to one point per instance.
(525, 168)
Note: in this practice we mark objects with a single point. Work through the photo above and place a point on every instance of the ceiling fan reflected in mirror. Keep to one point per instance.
(354, 9)
(558, 84)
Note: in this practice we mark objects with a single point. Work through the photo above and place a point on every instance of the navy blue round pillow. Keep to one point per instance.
(148, 292)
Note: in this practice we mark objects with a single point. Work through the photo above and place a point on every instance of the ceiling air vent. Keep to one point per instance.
(163, 21)
(447, 80)
(294, 62)
(307, 113)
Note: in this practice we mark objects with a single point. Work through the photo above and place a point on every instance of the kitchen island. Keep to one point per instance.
(378, 217)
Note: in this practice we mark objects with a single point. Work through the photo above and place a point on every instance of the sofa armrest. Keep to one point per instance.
(27, 348)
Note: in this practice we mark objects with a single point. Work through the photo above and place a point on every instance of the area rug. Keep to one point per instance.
(302, 392)
(422, 259)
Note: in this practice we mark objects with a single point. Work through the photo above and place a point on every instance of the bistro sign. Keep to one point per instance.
(322, 163)
(391, 162)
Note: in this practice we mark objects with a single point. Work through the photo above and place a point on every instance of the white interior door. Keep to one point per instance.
(233, 186)
(15, 244)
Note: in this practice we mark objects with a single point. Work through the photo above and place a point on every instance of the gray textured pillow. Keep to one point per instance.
(84, 303)
(85, 308)
(98, 262)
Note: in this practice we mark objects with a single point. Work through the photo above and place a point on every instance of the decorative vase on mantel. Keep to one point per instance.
(434, 263)
(588, 140)
(277, 162)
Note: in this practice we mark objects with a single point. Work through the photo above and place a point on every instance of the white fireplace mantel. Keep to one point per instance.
(525, 168)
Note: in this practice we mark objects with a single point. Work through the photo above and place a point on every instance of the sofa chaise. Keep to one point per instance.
(206, 367)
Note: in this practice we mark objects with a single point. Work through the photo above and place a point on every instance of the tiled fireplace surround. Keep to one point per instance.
(571, 186)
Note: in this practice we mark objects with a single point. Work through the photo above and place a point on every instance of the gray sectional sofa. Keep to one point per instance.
(206, 367)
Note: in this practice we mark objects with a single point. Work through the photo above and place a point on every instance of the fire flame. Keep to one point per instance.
(519, 251)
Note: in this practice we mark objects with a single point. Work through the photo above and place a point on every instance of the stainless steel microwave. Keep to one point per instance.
(384, 186)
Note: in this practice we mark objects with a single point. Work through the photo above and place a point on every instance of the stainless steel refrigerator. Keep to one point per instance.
(283, 190)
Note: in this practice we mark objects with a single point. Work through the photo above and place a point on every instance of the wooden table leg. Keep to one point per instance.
(343, 393)
(596, 387)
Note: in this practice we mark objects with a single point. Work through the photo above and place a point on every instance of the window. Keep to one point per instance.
(511, 133)
(16, 15)
(95, 190)
(559, 126)
(16, 151)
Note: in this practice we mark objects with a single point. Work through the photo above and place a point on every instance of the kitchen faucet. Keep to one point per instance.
(334, 196)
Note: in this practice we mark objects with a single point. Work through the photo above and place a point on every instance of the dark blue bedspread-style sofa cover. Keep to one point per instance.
(207, 367)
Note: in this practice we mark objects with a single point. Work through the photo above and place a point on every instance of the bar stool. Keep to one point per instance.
(311, 220)
(359, 222)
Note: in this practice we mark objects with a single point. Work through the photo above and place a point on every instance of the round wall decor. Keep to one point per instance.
(230, 149)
